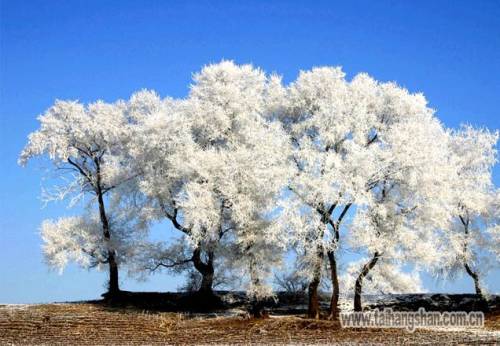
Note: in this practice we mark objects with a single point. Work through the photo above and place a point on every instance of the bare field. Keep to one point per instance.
(86, 324)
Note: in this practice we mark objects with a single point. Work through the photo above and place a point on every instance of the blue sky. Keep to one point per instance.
(90, 50)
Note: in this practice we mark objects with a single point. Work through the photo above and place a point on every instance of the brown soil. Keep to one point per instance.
(94, 324)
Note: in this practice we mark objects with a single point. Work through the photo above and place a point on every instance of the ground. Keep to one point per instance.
(94, 323)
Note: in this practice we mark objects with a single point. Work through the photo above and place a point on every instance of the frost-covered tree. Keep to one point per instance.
(166, 151)
(84, 145)
(240, 187)
(472, 241)
(213, 165)
(344, 133)
(332, 124)
(406, 207)
(242, 163)
(162, 151)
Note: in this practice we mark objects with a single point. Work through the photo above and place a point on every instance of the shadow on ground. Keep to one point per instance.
(292, 303)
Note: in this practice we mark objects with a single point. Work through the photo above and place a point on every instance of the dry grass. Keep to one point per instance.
(53, 324)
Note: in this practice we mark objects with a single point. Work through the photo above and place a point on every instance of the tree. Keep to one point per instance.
(412, 201)
(244, 168)
(472, 241)
(342, 132)
(331, 123)
(161, 151)
(241, 159)
(290, 281)
(84, 144)
(212, 163)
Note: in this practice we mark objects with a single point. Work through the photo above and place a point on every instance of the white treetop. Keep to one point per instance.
(72, 134)
(354, 137)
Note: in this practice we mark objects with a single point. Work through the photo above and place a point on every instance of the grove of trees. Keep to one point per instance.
(251, 172)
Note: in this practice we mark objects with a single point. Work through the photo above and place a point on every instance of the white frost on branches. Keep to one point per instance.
(246, 168)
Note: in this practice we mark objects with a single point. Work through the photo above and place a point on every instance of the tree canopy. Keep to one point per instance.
(248, 170)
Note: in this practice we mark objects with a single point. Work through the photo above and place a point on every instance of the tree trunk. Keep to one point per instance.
(334, 302)
(257, 308)
(257, 304)
(474, 277)
(113, 287)
(313, 308)
(359, 281)
(207, 282)
(205, 269)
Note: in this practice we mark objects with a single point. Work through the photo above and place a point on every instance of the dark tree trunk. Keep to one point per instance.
(359, 281)
(313, 297)
(113, 287)
(334, 302)
(474, 277)
(313, 307)
(257, 308)
(207, 282)
(205, 269)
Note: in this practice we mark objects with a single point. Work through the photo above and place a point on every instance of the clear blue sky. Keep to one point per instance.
(89, 50)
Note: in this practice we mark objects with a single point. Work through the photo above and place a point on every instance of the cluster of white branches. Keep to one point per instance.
(246, 169)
